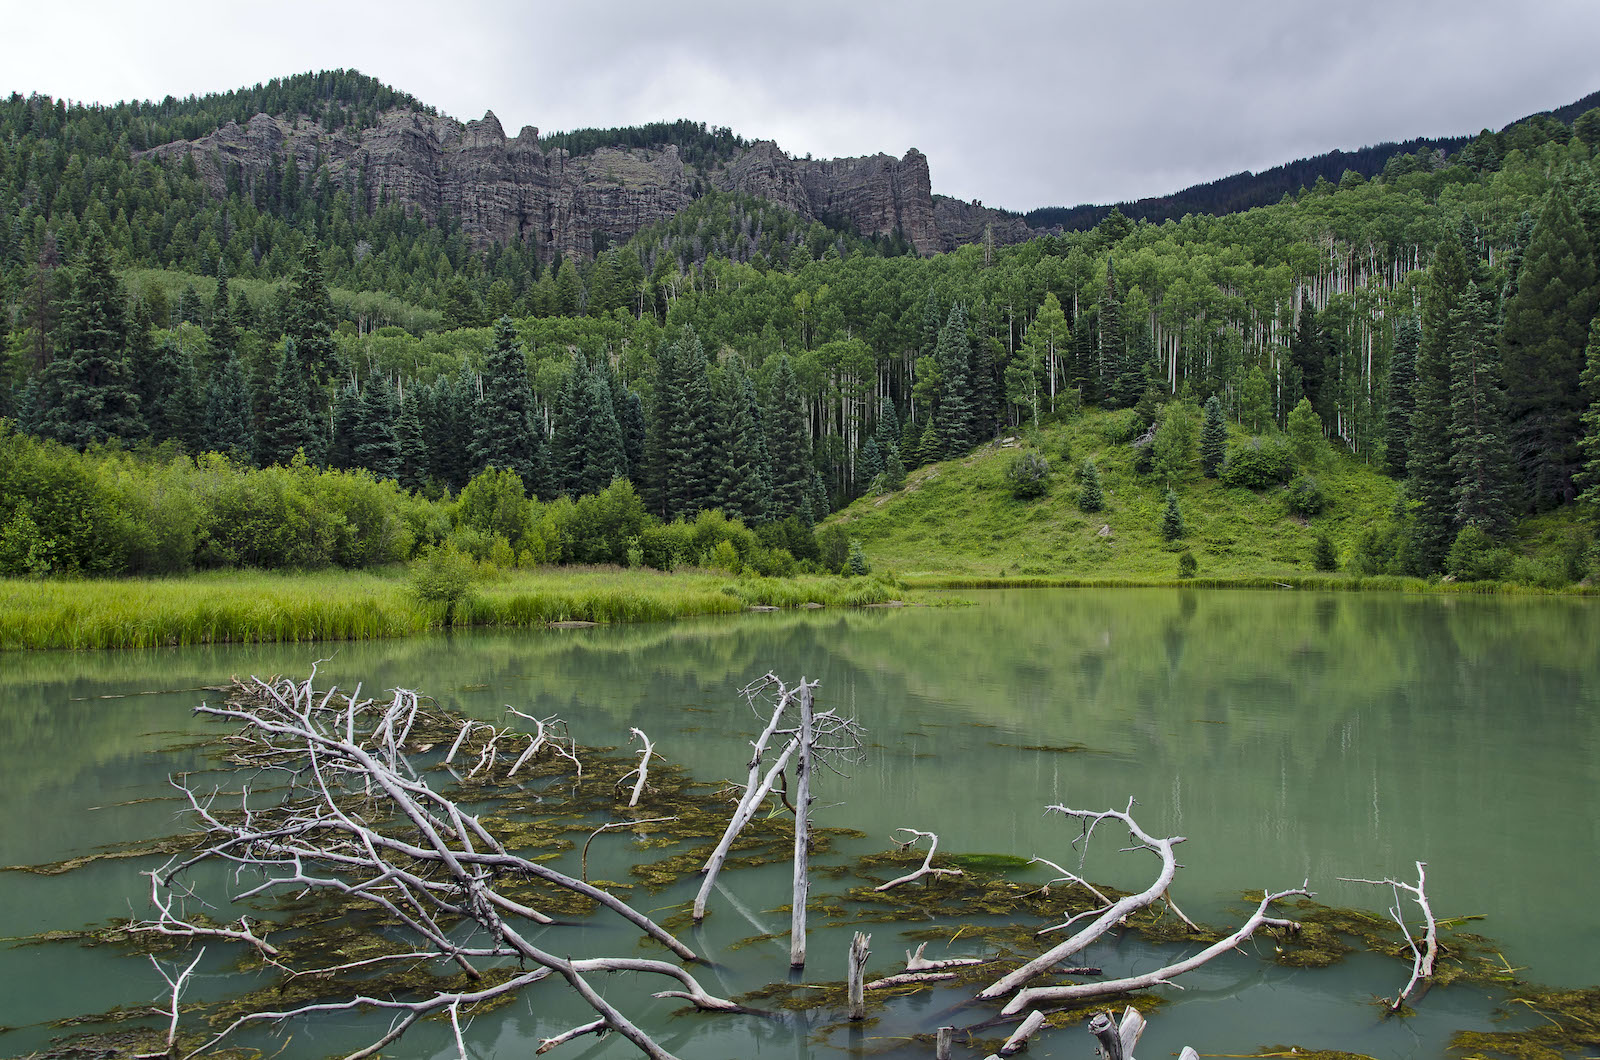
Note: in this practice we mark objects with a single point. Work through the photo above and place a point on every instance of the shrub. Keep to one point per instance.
(858, 560)
(1305, 496)
(1324, 558)
(1257, 464)
(1187, 566)
(1028, 475)
(833, 547)
(443, 575)
(1474, 557)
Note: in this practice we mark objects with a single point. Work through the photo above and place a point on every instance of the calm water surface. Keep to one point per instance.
(1289, 736)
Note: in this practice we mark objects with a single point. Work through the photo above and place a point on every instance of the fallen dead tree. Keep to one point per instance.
(348, 816)
(1114, 913)
(1423, 955)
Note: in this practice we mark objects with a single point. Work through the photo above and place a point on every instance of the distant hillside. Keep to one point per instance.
(1247, 190)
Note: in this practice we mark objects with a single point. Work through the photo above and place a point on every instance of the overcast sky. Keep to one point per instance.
(1019, 103)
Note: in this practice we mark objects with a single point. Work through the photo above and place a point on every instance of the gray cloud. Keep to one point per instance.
(1020, 104)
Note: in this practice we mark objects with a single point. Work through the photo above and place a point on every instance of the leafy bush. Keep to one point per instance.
(1257, 463)
(1028, 475)
(1188, 567)
(1474, 557)
(443, 575)
(1305, 496)
(1324, 558)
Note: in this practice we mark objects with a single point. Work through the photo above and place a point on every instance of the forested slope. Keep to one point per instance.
(1433, 322)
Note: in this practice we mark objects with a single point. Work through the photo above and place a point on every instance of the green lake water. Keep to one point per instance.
(1289, 736)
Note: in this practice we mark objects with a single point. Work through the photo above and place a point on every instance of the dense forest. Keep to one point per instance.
(1432, 320)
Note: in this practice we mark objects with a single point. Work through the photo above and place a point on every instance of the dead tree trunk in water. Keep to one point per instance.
(802, 828)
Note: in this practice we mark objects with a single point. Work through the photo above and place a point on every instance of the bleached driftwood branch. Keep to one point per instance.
(927, 862)
(1423, 956)
(1078, 991)
(644, 766)
(1019, 1037)
(1113, 913)
(856, 972)
(354, 821)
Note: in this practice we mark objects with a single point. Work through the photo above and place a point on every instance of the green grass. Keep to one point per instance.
(254, 607)
(955, 524)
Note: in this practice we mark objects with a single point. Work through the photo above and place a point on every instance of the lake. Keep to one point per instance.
(1289, 736)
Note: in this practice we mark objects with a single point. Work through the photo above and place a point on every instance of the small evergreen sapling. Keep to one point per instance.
(1171, 519)
(1090, 496)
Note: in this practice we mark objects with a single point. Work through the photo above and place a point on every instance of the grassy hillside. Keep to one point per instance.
(958, 517)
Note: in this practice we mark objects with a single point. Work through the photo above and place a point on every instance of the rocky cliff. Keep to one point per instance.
(506, 189)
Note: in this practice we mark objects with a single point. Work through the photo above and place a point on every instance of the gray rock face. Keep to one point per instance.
(511, 189)
(959, 223)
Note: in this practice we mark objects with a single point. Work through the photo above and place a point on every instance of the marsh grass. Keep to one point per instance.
(259, 607)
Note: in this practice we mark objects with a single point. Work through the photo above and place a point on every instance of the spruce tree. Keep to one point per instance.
(412, 441)
(1090, 496)
(221, 332)
(505, 434)
(89, 393)
(178, 411)
(1402, 396)
(633, 430)
(690, 428)
(569, 441)
(1432, 478)
(787, 443)
(1213, 439)
(604, 454)
(1479, 461)
(869, 463)
(1171, 519)
(349, 422)
(377, 446)
(665, 401)
(230, 416)
(746, 488)
(1307, 350)
(287, 423)
(953, 355)
(1112, 351)
(987, 393)
(1546, 327)
(887, 430)
(308, 319)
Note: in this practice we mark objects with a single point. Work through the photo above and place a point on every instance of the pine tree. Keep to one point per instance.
(505, 434)
(1090, 496)
(953, 355)
(1402, 396)
(287, 423)
(230, 416)
(89, 393)
(1546, 326)
(308, 317)
(887, 431)
(1171, 519)
(1432, 479)
(1213, 439)
(986, 392)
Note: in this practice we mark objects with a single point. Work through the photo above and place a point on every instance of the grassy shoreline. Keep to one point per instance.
(258, 607)
(1319, 582)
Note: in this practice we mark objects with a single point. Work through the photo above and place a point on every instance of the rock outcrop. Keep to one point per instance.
(512, 189)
